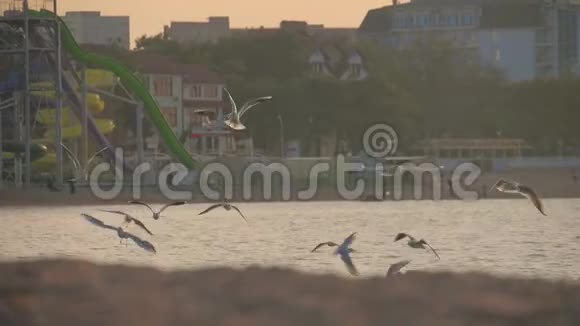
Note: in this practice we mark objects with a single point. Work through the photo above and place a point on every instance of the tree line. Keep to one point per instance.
(427, 91)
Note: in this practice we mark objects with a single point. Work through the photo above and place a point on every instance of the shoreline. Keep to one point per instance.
(548, 184)
(39, 198)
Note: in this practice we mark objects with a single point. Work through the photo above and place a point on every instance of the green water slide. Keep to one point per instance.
(133, 83)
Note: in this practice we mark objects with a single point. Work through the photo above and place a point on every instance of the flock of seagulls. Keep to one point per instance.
(343, 250)
(129, 220)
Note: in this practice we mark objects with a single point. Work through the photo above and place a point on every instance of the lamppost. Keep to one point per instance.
(281, 135)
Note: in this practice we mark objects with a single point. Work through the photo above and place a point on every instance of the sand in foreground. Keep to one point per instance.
(79, 293)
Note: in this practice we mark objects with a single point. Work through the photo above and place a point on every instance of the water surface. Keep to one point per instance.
(498, 236)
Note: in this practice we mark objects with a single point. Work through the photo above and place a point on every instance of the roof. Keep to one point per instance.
(511, 15)
(157, 64)
(377, 20)
(149, 63)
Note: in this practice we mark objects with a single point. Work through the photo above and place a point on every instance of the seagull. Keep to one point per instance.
(156, 215)
(344, 251)
(395, 269)
(416, 244)
(122, 234)
(233, 120)
(128, 219)
(512, 187)
(228, 207)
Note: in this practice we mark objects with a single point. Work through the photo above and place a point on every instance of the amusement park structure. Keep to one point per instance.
(50, 90)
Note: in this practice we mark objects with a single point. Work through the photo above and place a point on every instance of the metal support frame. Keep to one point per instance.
(27, 117)
(140, 143)
(84, 118)
(58, 124)
(1, 155)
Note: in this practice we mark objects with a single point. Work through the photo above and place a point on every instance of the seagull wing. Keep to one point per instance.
(137, 202)
(250, 104)
(329, 243)
(238, 210)
(498, 184)
(396, 267)
(212, 207)
(144, 244)
(232, 102)
(432, 249)
(177, 203)
(403, 235)
(71, 156)
(97, 222)
(133, 219)
(113, 212)
(140, 224)
(349, 240)
(531, 194)
(349, 265)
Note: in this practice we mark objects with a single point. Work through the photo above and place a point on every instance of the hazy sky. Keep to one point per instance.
(148, 17)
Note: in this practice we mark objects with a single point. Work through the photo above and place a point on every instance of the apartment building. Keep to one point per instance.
(525, 39)
(90, 27)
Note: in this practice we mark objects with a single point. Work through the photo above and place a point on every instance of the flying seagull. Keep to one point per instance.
(228, 207)
(344, 251)
(395, 269)
(329, 243)
(122, 234)
(512, 187)
(416, 244)
(156, 215)
(233, 120)
(128, 219)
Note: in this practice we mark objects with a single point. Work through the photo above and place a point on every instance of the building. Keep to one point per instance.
(198, 32)
(89, 27)
(191, 99)
(525, 39)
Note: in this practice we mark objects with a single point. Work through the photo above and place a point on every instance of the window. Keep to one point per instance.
(170, 115)
(409, 21)
(317, 67)
(210, 91)
(467, 20)
(163, 85)
(194, 91)
(452, 19)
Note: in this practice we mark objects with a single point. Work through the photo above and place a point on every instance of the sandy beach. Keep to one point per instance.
(75, 293)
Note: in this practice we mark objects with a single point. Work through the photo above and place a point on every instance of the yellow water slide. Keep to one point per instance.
(71, 127)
